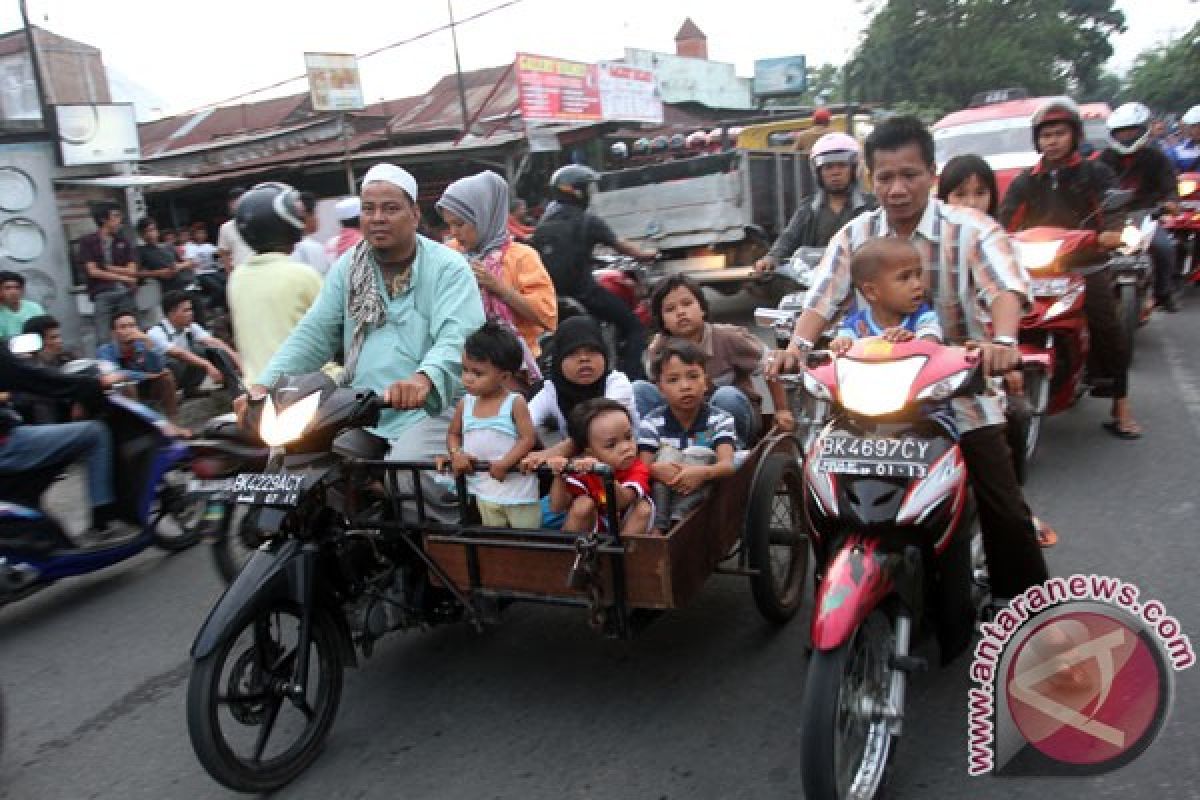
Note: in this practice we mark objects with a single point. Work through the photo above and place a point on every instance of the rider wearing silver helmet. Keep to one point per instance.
(1142, 166)
(838, 200)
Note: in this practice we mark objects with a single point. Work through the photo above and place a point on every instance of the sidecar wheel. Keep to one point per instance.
(251, 729)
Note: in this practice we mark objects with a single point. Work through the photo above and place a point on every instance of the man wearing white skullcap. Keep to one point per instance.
(400, 306)
(347, 211)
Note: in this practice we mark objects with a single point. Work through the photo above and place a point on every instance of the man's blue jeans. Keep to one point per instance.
(647, 397)
(30, 447)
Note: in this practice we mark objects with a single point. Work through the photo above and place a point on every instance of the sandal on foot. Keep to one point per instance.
(1046, 536)
(1123, 430)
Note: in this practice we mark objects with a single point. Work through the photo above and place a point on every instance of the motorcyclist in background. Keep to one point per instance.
(1186, 154)
(565, 237)
(837, 201)
(1065, 190)
(33, 447)
(1143, 167)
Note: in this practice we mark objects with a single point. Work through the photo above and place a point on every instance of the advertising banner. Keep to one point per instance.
(629, 94)
(776, 76)
(333, 82)
(556, 90)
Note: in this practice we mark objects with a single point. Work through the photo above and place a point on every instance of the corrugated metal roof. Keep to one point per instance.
(215, 124)
(491, 94)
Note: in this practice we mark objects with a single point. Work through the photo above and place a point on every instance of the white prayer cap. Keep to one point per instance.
(394, 175)
(347, 208)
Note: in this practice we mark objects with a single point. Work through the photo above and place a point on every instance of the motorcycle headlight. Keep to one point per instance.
(874, 389)
(1131, 237)
(1187, 187)
(946, 387)
(1036, 255)
(279, 428)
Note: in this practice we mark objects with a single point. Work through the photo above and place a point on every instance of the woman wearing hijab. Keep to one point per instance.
(580, 372)
(515, 285)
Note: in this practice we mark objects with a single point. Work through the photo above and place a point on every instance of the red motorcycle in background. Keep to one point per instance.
(1053, 337)
(896, 549)
(623, 277)
(1185, 225)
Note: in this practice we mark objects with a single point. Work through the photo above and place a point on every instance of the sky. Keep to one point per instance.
(171, 61)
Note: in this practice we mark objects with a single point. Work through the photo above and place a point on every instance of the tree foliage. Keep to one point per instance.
(1165, 78)
(938, 53)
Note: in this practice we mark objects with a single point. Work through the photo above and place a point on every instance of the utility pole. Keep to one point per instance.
(462, 91)
(36, 66)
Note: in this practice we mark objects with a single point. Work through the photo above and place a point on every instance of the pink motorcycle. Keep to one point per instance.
(896, 549)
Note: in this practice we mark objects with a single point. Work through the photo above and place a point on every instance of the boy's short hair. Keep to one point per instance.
(174, 299)
(870, 259)
(112, 325)
(495, 344)
(143, 223)
(686, 351)
(668, 285)
(583, 414)
(40, 324)
(8, 276)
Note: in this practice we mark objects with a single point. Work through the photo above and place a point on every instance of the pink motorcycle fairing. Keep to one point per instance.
(858, 578)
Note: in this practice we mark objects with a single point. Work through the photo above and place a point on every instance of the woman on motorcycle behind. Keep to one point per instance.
(1064, 190)
(969, 181)
(565, 237)
(514, 284)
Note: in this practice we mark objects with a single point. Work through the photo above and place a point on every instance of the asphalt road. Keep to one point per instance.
(702, 705)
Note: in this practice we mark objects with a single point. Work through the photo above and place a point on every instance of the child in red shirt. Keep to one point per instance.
(603, 431)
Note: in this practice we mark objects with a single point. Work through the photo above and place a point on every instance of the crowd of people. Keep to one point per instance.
(450, 334)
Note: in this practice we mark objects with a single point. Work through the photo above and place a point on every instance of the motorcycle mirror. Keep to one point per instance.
(25, 344)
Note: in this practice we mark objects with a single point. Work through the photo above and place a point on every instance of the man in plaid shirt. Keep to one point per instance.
(969, 266)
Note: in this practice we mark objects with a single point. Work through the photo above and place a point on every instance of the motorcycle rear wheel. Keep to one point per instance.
(846, 746)
(244, 682)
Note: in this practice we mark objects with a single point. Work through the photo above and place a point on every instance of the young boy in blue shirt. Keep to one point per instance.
(888, 273)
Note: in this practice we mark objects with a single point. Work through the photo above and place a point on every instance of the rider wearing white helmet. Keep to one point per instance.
(838, 200)
(1186, 154)
(1146, 169)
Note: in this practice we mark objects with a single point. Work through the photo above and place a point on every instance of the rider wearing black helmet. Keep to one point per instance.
(270, 292)
(1065, 190)
(565, 237)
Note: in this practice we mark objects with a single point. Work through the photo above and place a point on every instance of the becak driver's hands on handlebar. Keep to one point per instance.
(765, 264)
(111, 379)
(1109, 240)
(241, 403)
(408, 393)
(898, 334)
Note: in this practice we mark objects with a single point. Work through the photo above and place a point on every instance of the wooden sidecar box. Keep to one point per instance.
(661, 572)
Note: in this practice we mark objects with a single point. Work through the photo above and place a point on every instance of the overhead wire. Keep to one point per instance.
(423, 35)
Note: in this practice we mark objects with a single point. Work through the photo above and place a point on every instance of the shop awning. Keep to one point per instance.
(122, 181)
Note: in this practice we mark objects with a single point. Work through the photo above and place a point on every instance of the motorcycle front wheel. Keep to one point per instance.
(252, 727)
(846, 743)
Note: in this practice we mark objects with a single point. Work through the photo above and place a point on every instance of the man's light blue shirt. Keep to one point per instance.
(424, 332)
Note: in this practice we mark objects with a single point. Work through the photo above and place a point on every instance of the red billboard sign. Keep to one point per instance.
(554, 90)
